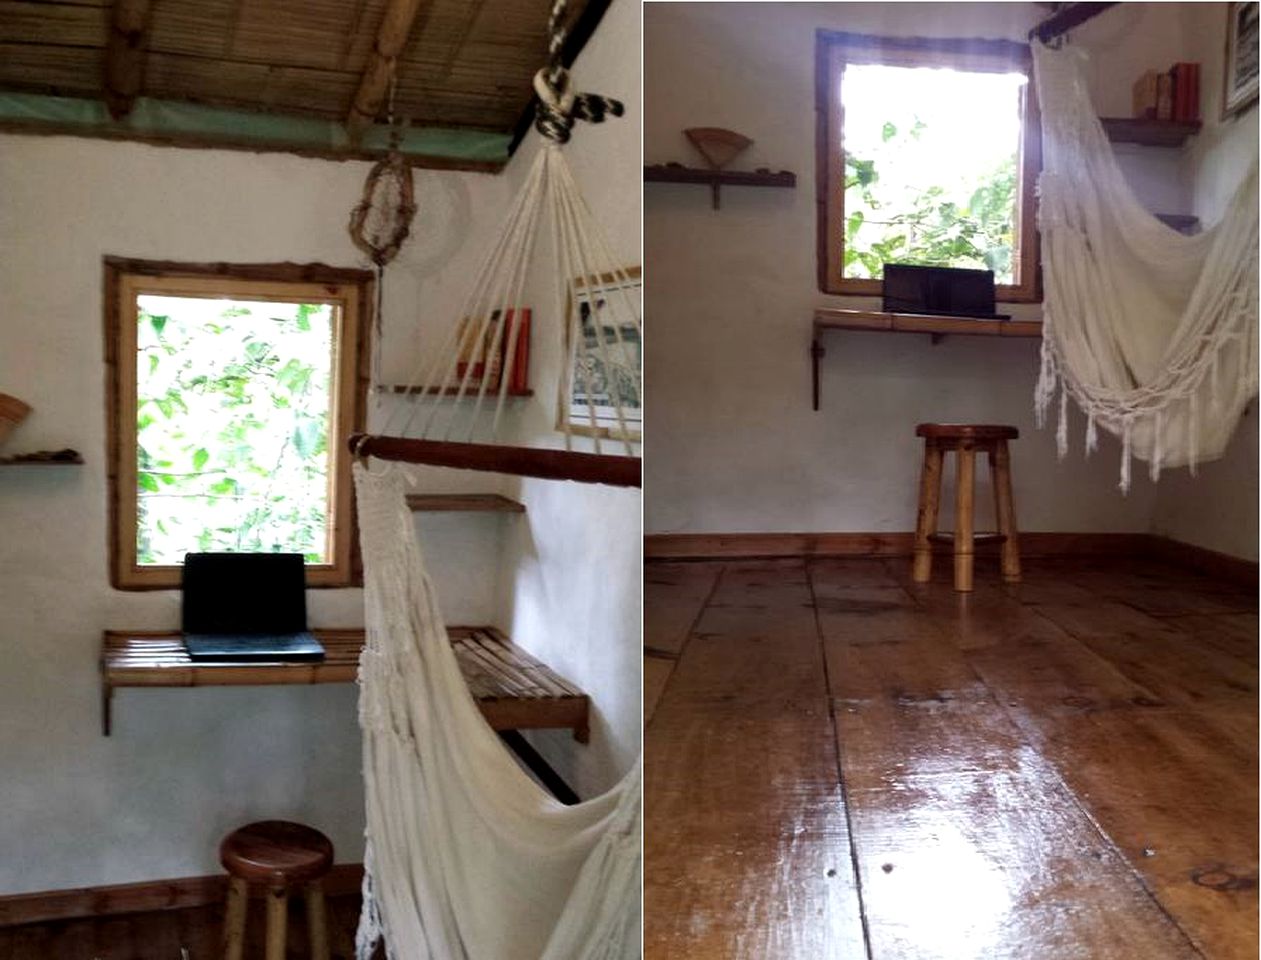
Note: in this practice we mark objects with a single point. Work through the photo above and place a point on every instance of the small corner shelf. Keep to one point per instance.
(1150, 133)
(677, 173)
(470, 392)
(463, 502)
(43, 458)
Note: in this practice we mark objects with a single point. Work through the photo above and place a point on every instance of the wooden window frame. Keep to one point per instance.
(351, 290)
(832, 51)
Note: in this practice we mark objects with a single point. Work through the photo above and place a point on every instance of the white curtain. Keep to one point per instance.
(1152, 333)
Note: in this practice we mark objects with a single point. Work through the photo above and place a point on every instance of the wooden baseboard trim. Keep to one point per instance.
(146, 897)
(731, 546)
(1210, 563)
(725, 546)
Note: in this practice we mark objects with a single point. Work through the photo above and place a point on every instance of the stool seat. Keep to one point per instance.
(966, 431)
(276, 852)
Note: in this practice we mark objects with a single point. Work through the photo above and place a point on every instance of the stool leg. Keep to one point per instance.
(317, 923)
(277, 921)
(966, 457)
(1000, 462)
(926, 515)
(234, 919)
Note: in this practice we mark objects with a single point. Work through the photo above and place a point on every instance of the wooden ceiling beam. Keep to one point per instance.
(396, 26)
(125, 54)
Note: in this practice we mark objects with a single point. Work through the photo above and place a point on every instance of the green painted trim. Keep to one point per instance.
(172, 120)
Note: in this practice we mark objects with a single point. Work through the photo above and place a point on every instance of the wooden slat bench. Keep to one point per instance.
(514, 690)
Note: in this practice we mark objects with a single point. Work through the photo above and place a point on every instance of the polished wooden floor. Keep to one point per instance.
(163, 934)
(841, 763)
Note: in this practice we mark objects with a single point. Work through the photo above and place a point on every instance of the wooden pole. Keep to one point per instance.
(317, 921)
(125, 54)
(519, 461)
(277, 922)
(1060, 22)
(396, 26)
(234, 921)
(926, 515)
(965, 454)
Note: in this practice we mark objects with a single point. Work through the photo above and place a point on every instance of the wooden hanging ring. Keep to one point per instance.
(393, 166)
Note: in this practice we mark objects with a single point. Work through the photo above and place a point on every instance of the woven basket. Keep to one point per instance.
(12, 412)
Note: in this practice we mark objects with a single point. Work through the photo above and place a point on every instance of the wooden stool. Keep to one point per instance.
(964, 440)
(280, 855)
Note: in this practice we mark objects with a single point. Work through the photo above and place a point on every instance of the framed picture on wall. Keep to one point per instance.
(1239, 87)
(603, 368)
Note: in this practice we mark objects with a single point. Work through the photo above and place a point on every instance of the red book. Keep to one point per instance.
(1186, 85)
(519, 369)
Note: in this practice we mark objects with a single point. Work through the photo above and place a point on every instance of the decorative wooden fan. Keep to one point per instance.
(718, 146)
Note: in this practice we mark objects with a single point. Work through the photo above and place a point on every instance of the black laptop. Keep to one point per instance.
(940, 291)
(246, 607)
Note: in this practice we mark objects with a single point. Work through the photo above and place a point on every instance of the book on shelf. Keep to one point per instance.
(1186, 91)
(1164, 97)
(484, 358)
(1171, 95)
(1144, 96)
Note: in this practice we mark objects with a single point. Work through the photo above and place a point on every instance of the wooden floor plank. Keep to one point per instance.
(673, 596)
(999, 865)
(952, 810)
(746, 847)
(657, 671)
(1064, 767)
(1200, 865)
(1157, 655)
(161, 934)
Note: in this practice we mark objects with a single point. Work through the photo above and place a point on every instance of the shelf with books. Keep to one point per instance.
(1151, 133)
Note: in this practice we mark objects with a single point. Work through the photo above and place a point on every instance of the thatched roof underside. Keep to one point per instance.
(463, 68)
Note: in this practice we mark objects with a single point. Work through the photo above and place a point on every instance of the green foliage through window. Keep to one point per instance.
(931, 172)
(232, 426)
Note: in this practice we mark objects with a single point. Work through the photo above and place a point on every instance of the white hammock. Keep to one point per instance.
(467, 858)
(1151, 332)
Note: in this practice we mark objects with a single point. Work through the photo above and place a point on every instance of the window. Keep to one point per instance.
(601, 385)
(232, 393)
(928, 154)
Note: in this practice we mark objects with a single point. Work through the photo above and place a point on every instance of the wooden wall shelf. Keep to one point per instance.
(43, 458)
(513, 689)
(1151, 133)
(826, 319)
(463, 502)
(677, 173)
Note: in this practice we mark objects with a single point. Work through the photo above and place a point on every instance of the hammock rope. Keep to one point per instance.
(1153, 334)
(467, 858)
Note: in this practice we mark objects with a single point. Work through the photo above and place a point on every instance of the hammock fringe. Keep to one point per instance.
(1140, 322)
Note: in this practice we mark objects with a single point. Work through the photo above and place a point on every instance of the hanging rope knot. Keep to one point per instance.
(559, 106)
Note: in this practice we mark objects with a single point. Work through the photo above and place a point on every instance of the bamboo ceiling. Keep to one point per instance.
(462, 66)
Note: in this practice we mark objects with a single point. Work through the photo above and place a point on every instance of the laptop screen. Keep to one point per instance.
(910, 288)
(244, 593)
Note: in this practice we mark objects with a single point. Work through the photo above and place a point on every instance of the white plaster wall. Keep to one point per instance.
(732, 442)
(183, 766)
(571, 570)
(1217, 510)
